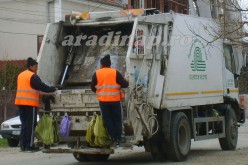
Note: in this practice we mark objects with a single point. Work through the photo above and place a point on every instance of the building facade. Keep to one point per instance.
(22, 25)
(23, 22)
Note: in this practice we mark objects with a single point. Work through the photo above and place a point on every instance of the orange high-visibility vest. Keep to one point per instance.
(107, 89)
(25, 94)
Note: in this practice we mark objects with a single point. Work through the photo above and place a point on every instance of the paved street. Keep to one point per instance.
(202, 153)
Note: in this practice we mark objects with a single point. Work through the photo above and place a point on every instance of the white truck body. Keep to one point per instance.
(175, 85)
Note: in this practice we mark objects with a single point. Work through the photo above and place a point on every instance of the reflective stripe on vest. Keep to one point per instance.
(108, 93)
(108, 86)
(25, 94)
(107, 89)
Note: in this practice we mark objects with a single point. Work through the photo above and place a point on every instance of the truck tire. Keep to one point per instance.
(159, 154)
(80, 157)
(90, 157)
(98, 157)
(13, 142)
(231, 128)
(180, 137)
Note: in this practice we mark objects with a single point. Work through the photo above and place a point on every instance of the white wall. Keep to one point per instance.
(22, 22)
(84, 6)
(19, 27)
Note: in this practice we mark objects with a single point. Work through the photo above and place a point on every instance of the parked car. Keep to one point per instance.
(11, 130)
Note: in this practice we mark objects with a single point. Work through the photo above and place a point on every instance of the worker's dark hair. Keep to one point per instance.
(31, 62)
(105, 61)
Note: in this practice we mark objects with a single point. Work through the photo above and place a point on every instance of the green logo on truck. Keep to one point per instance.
(198, 63)
(198, 60)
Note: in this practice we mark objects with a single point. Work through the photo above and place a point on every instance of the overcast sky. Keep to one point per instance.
(244, 3)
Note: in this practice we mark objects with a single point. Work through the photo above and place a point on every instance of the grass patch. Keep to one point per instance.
(3, 143)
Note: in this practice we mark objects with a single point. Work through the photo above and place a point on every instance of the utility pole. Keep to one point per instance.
(5, 105)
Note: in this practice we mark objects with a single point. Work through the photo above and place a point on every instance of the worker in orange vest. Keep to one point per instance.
(107, 84)
(29, 86)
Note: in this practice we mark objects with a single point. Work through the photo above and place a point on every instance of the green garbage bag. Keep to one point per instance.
(47, 130)
(101, 136)
(44, 129)
(90, 137)
(56, 130)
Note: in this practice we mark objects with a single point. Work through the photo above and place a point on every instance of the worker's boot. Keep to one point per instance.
(117, 143)
(113, 145)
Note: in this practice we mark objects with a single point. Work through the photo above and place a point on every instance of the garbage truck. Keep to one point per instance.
(183, 80)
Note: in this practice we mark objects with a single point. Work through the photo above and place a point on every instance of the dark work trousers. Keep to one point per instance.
(28, 117)
(112, 117)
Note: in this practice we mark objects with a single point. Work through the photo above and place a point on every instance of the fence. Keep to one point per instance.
(7, 107)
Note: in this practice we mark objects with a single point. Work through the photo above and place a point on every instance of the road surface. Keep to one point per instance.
(206, 152)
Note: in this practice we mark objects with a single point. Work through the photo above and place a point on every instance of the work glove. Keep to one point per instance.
(53, 88)
(126, 77)
(46, 100)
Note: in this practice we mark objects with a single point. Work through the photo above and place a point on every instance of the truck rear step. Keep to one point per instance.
(83, 150)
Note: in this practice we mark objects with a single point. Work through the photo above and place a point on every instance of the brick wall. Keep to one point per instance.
(244, 103)
(243, 89)
(243, 81)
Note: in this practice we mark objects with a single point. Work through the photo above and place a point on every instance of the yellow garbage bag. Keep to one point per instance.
(90, 137)
(101, 136)
(96, 134)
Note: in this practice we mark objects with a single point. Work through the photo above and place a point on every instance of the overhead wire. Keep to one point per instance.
(22, 12)
(100, 4)
(17, 33)
(45, 5)
(35, 13)
(36, 21)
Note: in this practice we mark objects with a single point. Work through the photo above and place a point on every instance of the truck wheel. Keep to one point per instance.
(231, 128)
(13, 142)
(90, 157)
(158, 156)
(180, 137)
(98, 157)
(80, 157)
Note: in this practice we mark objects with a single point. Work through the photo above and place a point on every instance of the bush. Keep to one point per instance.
(8, 76)
(3, 143)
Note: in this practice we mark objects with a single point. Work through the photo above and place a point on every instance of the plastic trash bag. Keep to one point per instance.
(64, 128)
(56, 131)
(47, 130)
(90, 137)
(96, 134)
(101, 136)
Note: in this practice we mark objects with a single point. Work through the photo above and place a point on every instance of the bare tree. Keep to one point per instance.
(232, 19)
(8, 78)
